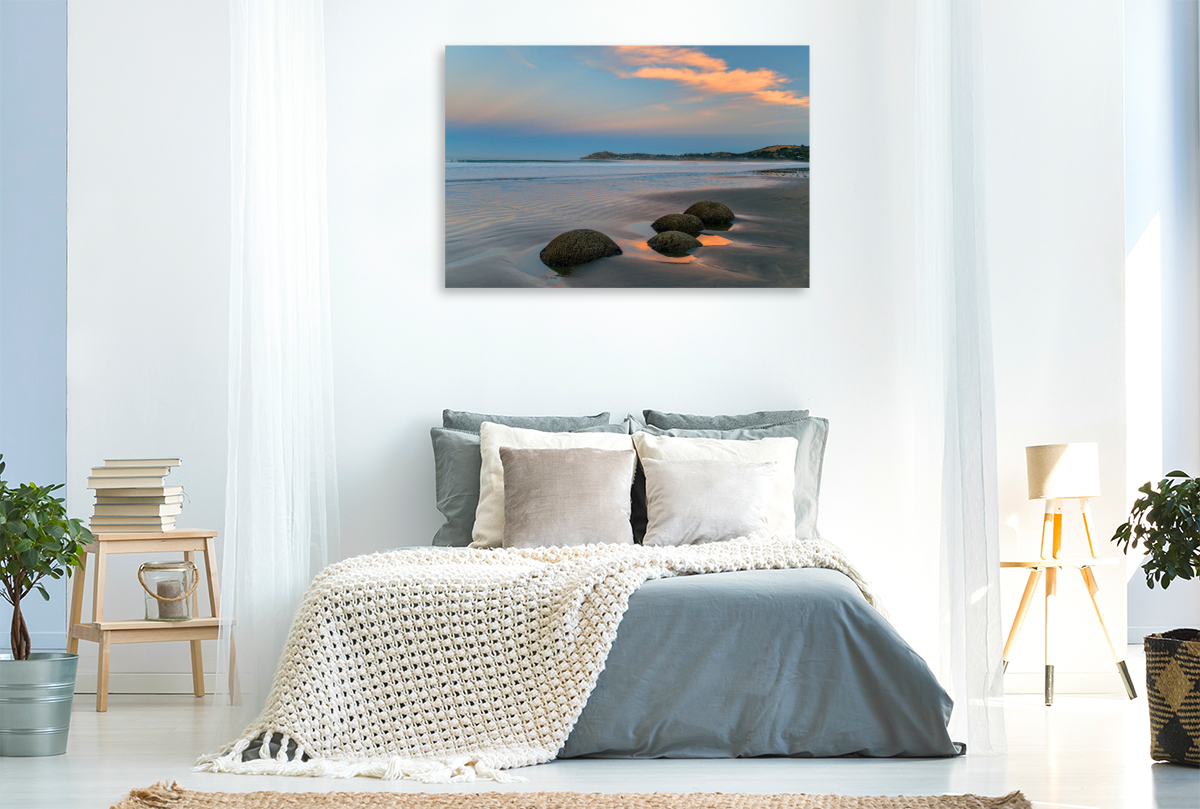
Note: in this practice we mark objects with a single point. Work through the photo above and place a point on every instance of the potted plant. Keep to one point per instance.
(36, 688)
(1166, 522)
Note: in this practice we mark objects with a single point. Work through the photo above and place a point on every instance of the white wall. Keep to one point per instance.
(148, 247)
(1162, 240)
(404, 347)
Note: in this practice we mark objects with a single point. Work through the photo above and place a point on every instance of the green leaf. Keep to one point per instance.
(1166, 521)
(36, 538)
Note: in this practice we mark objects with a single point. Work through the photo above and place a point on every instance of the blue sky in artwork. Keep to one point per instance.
(565, 102)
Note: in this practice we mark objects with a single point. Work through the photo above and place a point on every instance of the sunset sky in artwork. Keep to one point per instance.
(565, 102)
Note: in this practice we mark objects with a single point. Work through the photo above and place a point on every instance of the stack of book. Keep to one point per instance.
(132, 496)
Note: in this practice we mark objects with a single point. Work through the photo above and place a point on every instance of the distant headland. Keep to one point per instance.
(766, 153)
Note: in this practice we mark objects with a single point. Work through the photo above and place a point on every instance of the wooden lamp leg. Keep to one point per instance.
(1057, 506)
(1048, 517)
(1051, 605)
(1035, 576)
(1086, 511)
(1093, 588)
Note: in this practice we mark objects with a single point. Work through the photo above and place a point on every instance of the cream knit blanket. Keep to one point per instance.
(447, 666)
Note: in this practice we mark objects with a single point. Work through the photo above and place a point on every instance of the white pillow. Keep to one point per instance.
(781, 516)
(690, 502)
(489, 514)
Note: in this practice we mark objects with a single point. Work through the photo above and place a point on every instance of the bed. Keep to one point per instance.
(450, 664)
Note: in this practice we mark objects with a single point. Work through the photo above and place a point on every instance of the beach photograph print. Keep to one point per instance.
(627, 166)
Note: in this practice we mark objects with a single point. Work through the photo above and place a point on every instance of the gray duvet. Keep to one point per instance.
(760, 663)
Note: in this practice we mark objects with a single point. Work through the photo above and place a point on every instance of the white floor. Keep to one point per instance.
(1082, 752)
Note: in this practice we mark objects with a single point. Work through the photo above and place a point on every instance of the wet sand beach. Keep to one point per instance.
(494, 236)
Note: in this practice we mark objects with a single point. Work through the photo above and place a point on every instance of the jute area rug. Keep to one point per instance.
(162, 796)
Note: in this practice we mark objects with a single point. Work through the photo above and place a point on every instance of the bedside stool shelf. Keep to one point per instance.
(108, 632)
(1051, 568)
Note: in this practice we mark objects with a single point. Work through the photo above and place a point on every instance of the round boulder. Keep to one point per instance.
(672, 241)
(682, 222)
(711, 213)
(578, 247)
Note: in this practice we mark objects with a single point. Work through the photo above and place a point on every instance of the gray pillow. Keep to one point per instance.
(684, 421)
(463, 420)
(811, 433)
(456, 464)
(564, 497)
(695, 501)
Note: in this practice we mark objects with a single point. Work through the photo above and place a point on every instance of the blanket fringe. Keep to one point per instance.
(457, 769)
(160, 796)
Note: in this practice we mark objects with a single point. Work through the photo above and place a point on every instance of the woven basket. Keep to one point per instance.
(1173, 692)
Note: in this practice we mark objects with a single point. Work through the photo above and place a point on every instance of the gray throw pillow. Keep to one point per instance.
(811, 433)
(456, 466)
(684, 421)
(564, 497)
(463, 420)
(456, 463)
(694, 501)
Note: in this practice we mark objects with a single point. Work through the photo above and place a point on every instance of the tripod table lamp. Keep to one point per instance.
(1058, 472)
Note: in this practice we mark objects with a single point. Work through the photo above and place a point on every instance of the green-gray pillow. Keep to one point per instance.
(810, 432)
(463, 420)
(456, 464)
(685, 421)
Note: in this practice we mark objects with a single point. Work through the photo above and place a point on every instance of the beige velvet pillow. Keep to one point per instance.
(488, 531)
(690, 502)
(781, 514)
(566, 496)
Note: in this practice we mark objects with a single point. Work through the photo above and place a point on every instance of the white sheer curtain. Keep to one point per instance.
(957, 428)
(281, 509)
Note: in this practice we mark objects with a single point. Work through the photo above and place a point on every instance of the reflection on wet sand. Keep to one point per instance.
(641, 249)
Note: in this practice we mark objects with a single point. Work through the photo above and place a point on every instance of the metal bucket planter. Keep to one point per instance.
(35, 703)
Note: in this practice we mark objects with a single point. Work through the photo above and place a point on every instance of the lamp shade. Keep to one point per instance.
(1063, 470)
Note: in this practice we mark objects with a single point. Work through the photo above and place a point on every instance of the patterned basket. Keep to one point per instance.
(1173, 692)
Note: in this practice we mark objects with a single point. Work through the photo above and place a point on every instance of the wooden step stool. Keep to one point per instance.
(106, 633)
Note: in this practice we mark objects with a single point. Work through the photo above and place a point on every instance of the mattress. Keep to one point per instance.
(760, 663)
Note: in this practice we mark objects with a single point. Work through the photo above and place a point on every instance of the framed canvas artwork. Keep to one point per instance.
(627, 166)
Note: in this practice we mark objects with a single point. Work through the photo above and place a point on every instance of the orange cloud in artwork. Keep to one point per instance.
(697, 70)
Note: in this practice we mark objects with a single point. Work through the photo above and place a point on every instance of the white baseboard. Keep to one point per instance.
(1065, 682)
(1136, 633)
(144, 683)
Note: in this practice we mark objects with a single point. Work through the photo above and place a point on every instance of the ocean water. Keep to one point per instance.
(650, 172)
(507, 210)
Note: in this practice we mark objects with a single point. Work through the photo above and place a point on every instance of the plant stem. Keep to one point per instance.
(19, 636)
